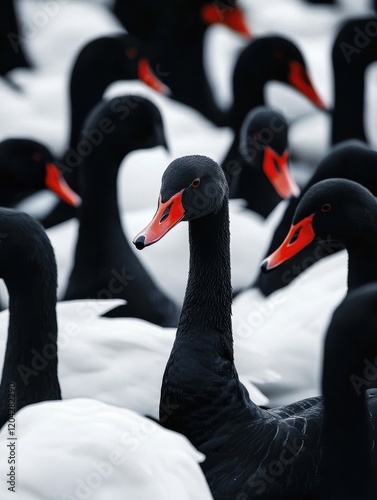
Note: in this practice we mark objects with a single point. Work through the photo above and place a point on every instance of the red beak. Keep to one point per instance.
(167, 216)
(300, 80)
(277, 170)
(232, 17)
(55, 182)
(147, 76)
(299, 236)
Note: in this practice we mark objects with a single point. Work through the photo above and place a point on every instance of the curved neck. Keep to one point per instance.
(31, 352)
(88, 83)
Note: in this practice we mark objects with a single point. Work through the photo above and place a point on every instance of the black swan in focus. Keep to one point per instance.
(201, 394)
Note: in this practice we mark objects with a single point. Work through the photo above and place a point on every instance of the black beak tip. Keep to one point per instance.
(139, 242)
(264, 266)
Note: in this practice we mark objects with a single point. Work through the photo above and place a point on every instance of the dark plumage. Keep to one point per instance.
(338, 210)
(271, 58)
(27, 166)
(176, 29)
(263, 177)
(22, 169)
(105, 265)
(11, 40)
(349, 368)
(354, 49)
(27, 265)
(250, 453)
(350, 160)
(100, 63)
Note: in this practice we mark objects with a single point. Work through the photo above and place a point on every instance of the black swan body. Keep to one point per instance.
(351, 160)
(264, 177)
(265, 59)
(11, 40)
(28, 268)
(100, 63)
(105, 264)
(349, 464)
(201, 394)
(27, 166)
(354, 49)
(177, 29)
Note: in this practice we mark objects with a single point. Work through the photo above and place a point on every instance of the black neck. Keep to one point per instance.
(245, 99)
(200, 376)
(31, 352)
(11, 50)
(348, 114)
(207, 303)
(100, 224)
(98, 188)
(88, 83)
(362, 265)
(346, 466)
(183, 59)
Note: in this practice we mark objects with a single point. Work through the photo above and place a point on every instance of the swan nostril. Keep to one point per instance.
(295, 236)
(166, 213)
(277, 166)
(140, 242)
(264, 267)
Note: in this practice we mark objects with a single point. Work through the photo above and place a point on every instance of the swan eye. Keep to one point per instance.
(37, 156)
(131, 52)
(326, 207)
(195, 183)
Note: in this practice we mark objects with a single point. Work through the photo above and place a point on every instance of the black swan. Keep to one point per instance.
(177, 30)
(201, 394)
(351, 160)
(27, 166)
(100, 63)
(28, 268)
(348, 469)
(104, 259)
(264, 177)
(265, 59)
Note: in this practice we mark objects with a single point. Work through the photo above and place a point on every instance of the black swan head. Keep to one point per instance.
(339, 209)
(195, 190)
(26, 166)
(264, 145)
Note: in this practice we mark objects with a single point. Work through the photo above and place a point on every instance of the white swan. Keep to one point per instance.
(81, 448)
